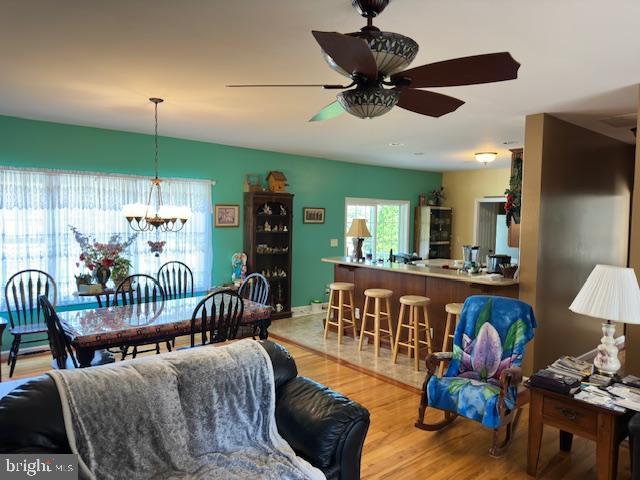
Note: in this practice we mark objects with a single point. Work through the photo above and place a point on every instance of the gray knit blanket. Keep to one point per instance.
(203, 413)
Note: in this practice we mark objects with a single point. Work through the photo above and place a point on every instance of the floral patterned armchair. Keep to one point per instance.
(481, 381)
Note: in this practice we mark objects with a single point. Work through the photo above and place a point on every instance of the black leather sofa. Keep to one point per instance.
(322, 426)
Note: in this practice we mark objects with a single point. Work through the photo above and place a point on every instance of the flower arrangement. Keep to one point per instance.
(106, 255)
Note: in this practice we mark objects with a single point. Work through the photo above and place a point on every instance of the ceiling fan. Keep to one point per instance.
(375, 62)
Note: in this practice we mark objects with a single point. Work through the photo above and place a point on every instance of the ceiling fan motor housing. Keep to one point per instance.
(370, 8)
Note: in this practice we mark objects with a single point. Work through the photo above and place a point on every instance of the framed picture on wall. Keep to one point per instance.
(227, 215)
(312, 215)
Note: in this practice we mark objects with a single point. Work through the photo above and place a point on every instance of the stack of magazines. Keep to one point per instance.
(565, 375)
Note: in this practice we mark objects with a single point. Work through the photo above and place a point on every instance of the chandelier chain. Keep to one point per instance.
(156, 138)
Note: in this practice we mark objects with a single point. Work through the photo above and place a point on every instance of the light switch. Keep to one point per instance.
(334, 242)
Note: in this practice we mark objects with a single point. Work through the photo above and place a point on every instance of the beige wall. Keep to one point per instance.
(632, 357)
(461, 189)
(576, 203)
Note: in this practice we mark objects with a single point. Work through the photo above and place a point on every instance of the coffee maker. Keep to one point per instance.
(470, 258)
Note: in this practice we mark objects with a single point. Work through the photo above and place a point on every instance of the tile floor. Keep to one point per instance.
(307, 331)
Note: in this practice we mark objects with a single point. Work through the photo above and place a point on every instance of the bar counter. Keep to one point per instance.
(437, 272)
(441, 285)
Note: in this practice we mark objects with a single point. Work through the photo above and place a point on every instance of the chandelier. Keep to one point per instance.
(155, 214)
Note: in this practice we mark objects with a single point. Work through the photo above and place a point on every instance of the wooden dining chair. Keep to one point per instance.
(21, 294)
(61, 350)
(176, 279)
(256, 288)
(146, 291)
(217, 317)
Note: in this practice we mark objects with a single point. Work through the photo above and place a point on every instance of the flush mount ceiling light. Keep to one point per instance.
(155, 214)
(486, 157)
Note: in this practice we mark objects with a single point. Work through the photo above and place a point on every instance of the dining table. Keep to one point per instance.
(95, 329)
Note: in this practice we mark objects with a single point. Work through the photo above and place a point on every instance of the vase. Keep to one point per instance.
(102, 275)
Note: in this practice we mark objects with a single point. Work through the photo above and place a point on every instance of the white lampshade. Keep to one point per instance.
(134, 210)
(359, 229)
(610, 293)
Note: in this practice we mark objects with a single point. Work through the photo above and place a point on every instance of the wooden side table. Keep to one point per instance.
(574, 417)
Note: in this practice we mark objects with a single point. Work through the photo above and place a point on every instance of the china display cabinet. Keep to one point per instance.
(268, 227)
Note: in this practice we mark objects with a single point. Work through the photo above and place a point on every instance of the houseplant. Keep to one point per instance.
(436, 197)
(100, 258)
(514, 193)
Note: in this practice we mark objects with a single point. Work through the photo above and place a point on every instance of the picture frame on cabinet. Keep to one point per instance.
(226, 215)
(313, 215)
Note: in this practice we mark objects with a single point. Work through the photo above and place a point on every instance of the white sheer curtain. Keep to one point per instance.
(37, 207)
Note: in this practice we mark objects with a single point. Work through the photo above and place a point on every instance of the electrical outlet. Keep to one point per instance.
(357, 313)
(333, 242)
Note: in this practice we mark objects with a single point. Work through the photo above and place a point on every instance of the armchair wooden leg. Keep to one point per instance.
(424, 403)
(498, 447)
(449, 417)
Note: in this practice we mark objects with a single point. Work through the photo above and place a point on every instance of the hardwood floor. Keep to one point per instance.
(395, 449)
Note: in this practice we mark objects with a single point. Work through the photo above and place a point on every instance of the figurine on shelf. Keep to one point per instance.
(275, 228)
(266, 210)
(285, 229)
(267, 227)
(239, 267)
(279, 307)
(283, 211)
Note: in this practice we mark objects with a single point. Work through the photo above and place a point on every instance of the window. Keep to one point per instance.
(388, 222)
(37, 207)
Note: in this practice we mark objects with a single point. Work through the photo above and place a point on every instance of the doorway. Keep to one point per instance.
(490, 232)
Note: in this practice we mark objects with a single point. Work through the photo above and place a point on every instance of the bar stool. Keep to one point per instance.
(378, 294)
(453, 313)
(341, 288)
(415, 303)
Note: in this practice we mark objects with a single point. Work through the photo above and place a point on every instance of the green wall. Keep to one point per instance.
(315, 182)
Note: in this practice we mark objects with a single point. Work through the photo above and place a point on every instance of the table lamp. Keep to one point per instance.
(612, 294)
(359, 231)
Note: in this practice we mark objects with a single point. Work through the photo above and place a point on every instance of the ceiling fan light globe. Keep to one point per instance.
(392, 52)
(368, 102)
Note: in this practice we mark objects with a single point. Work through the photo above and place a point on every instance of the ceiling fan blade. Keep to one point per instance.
(427, 103)
(328, 87)
(333, 110)
(351, 54)
(488, 68)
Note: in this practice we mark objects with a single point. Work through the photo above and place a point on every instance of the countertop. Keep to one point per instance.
(449, 274)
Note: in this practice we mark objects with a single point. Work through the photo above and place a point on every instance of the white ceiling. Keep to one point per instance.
(95, 62)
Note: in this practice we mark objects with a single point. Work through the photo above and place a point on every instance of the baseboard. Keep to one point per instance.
(304, 310)
(4, 355)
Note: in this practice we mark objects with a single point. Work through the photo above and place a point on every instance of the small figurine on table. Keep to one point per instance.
(239, 267)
